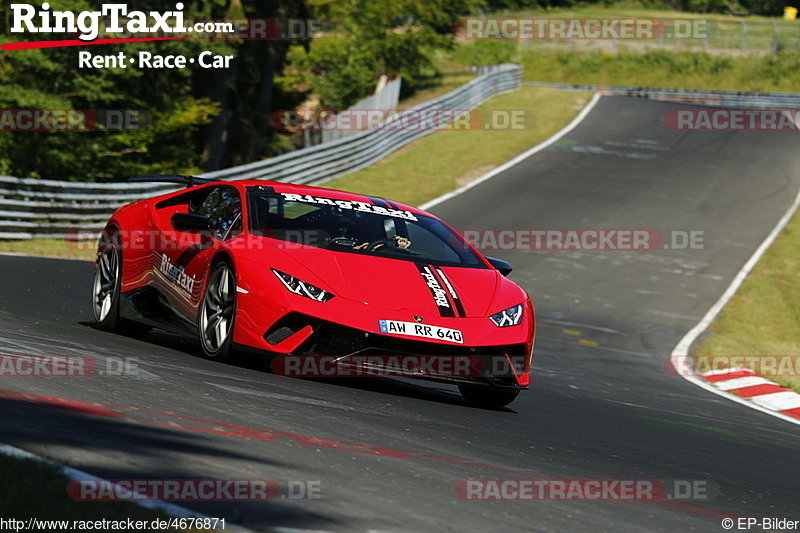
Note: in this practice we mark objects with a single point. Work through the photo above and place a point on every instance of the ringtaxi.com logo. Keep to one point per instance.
(90, 24)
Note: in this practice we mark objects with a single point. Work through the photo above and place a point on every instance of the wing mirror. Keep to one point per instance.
(504, 267)
(189, 223)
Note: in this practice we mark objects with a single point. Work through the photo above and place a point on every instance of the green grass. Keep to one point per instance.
(32, 489)
(687, 70)
(51, 248)
(424, 169)
(724, 33)
(763, 317)
(445, 160)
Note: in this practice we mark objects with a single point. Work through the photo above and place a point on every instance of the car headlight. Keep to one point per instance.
(302, 288)
(510, 317)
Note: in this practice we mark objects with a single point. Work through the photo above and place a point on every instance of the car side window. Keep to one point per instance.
(223, 207)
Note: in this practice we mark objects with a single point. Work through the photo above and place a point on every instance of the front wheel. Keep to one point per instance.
(217, 312)
(106, 287)
(487, 397)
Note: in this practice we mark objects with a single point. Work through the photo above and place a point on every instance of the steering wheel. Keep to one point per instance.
(347, 242)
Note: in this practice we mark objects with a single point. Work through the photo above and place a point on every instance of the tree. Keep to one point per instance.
(196, 118)
(370, 38)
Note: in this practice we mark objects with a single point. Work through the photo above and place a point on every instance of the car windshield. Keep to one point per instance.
(371, 228)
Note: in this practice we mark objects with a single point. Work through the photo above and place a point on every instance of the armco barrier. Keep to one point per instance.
(689, 96)
(33, 208)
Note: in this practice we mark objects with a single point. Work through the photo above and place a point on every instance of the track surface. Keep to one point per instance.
(604, 411)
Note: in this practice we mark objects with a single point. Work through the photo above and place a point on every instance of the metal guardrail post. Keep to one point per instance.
(744, 35)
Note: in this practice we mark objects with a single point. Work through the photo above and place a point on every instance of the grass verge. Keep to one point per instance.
(50, 248)
(445, 160)
(424, 169)
(674, 30)
(763, 317)
(659, 68)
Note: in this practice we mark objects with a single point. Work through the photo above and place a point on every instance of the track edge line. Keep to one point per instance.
(681, 350)
(74, 474)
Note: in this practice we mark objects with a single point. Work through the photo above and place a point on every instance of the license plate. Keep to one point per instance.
(413, 329)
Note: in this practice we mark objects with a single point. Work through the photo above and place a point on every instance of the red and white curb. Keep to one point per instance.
(745, 384)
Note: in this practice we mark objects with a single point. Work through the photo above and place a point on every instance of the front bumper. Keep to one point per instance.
(290, 325)
(296, 335)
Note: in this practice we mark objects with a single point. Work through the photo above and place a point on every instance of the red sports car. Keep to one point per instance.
(299, 272)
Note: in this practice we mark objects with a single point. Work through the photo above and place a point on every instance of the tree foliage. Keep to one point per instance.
(204, 119)
(195, 118)
(373, 38)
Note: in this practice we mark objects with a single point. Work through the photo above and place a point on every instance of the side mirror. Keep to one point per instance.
(504, 267)
(190, 223)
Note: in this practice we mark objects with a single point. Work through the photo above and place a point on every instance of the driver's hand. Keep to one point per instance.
(402, 242)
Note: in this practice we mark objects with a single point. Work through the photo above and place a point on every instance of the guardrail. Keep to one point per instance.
(33, 208)
(717, 98)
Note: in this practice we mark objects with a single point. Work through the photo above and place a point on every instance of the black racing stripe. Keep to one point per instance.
(378, 201)
(430, 279)
(447, 294)
(451, 290)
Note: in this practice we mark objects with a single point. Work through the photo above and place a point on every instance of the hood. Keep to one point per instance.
(397, 284)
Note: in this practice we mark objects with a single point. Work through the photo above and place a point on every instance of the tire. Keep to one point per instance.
(106, 286)
(487, 397)
(106, 292)
(215, 321)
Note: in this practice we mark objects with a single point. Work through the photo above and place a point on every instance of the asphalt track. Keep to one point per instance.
(602, 405)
